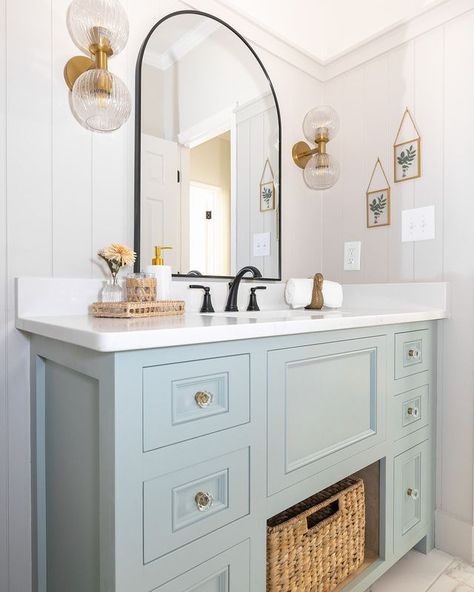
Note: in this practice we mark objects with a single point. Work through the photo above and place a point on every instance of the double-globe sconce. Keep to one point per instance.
(320, 169)
(99, 99)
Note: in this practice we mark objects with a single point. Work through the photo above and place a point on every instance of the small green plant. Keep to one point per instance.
(406, 158)
(267, 196)
(377, 207)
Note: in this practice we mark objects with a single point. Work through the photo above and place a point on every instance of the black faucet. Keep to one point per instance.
(231, 305)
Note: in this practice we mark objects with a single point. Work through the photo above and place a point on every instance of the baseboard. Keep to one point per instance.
(454, 536)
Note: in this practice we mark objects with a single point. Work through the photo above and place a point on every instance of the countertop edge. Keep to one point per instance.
(173, 337)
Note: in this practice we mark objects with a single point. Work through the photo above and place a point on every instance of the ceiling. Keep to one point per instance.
(326, 29)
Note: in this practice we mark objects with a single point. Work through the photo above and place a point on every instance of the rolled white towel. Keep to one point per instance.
(298, 293)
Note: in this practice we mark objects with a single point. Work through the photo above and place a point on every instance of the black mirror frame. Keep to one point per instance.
(137, 180)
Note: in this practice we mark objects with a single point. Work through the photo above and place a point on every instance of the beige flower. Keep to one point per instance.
(118, 254)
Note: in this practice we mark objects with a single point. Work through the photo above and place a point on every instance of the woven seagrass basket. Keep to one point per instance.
(316, 544)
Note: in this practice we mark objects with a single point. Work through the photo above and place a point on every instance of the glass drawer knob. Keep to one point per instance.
(413, 493)
(413, 411)
(203, 399)
(414, 353)
(203, 501)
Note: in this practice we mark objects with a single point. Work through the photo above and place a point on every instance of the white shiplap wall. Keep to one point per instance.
(64, 193)
(432, 74)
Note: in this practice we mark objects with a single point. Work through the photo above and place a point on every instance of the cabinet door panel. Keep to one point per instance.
(412, 352)
(410, 495)
(189, 503)
(227, 572)
(324, 402)
(190, 399)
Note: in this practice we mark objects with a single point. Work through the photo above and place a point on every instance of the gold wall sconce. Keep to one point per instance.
(99, 99)
(320, 169)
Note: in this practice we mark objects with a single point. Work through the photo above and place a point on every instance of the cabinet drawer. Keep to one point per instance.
(412, 411)
(325, 403)
(189, 503)
(412, 352)
(410, 495)
(190, 399)
(227, 572)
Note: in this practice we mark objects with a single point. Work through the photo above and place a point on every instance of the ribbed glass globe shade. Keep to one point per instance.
(101, 101)
(321, 171)
(320, 120)
(90, 20)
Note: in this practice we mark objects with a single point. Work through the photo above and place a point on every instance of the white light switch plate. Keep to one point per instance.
(352, 256)
(261, 244)
(418, 224)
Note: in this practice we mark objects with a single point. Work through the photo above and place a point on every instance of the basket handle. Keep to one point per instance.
(315, 520)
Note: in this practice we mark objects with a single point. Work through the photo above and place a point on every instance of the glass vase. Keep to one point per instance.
(112, 291)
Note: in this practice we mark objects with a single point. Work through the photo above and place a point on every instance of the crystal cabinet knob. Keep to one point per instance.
(413, 411)
(413, 493)
(414, 354)
(203, 399)
(203, 501)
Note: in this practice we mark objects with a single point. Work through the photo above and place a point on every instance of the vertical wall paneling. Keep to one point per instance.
(375, 240)
(429, 100)
(333, 200)
(400, 95)
(3, 314)
(71, 169)
(458, 387)
(29, 240)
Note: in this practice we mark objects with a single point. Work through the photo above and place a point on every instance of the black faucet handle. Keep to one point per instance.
(206, 303)
(253, 304)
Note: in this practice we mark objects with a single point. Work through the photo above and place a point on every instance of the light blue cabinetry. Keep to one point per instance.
(157, 469)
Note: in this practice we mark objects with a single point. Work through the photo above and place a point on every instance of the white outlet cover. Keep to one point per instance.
(352, 251)
(261, 244)
(418, 224)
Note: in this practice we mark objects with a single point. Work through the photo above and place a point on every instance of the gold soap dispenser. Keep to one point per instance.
(162, 274)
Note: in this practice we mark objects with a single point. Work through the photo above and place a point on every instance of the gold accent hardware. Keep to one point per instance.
(158, 259)
(100, 51)
(204, 501)
(317, 299)
(75, 67)
(302, 152)
(203, 399)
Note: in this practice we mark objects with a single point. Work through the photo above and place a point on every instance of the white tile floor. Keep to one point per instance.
(435, 572)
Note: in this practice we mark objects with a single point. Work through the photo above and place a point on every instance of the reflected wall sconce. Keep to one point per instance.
(320, 169)
(100, 101)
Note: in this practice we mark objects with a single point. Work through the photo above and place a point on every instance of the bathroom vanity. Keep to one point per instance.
(158, 465)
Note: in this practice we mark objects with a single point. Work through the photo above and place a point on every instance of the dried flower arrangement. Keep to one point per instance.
(117, 256)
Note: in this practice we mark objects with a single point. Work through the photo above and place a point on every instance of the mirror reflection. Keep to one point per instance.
(209, 151)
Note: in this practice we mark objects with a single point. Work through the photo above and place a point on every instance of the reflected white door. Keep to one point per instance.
(208, 231)
(160, 200)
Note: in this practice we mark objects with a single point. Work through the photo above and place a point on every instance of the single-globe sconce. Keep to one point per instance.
(320, 169)
(99, 99)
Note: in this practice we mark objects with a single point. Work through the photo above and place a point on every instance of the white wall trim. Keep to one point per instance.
(454, 536)
(397, 36)
(260, 37)
(181, 47)
(352, 57)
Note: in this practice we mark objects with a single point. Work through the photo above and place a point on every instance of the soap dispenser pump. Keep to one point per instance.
(162, 274)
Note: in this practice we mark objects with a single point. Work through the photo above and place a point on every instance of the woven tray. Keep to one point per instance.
(316, 544)
(129, 310)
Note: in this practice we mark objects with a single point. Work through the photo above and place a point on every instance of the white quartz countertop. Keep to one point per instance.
(109, 335)
(57, 308)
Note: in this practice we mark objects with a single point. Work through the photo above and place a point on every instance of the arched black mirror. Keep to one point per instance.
(208, 135)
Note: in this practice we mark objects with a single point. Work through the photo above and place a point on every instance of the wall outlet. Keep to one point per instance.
(418, 224)
(261, 244)
(352, 256)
